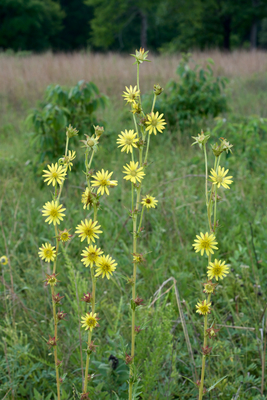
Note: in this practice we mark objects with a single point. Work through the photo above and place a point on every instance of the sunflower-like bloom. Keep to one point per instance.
(217, 269)
(91, 255)
(89, 321)
(102, 181)
(56, 174)
(105, 266)
(67, 160)
(88, 230)
(47, 252)
(127, 140)
(205, 243)
(53, 211)
(203, 308)
(88, 198)
(4, 260)
(131, 95)
(64, 236)
(149, 201)
(221, 178)
(133, 173)
(155, 123)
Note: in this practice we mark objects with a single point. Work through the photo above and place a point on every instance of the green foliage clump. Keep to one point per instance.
(197, 95)
(29, 24)
(61, 107)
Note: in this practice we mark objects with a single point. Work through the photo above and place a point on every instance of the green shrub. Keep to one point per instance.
(196, 95)
(61, 107)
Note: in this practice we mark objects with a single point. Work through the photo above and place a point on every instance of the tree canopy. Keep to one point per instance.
(123, 25)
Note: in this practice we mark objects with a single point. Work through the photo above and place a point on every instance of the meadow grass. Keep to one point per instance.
(177, 181)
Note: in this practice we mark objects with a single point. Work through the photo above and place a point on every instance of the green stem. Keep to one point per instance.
(204, 357)
(147, 147)
(90, 333)
(138, 87)
(134, 290)
(57, 244)
(55, 347)
(206, 189)
(136, 127)
(141, 219)
(215, 209)
(132, 197)
(66, 153)
(153, 104)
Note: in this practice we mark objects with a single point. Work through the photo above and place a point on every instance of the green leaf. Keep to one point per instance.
(215, 384)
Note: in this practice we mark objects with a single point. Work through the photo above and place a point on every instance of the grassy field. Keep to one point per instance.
(177, 181)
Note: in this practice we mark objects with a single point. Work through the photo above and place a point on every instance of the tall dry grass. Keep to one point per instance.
(27, 77)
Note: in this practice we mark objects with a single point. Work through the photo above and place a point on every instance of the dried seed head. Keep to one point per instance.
(51, 341)
(87, 298)
(128, 359)
(138, 301)
(51, 280)
(56, 298)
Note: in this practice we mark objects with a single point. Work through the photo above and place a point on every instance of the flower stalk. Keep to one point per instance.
(207, 244)
(134, 172)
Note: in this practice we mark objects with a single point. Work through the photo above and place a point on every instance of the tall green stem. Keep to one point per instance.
(154, 102)
(134, 291)
(204, 356)
(66, 153)
(90, 333)
(147, 148)
(55, 347)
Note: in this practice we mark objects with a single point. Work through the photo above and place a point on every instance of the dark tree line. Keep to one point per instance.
(171, 25)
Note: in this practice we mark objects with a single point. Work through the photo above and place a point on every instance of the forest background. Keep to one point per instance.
(170, 25)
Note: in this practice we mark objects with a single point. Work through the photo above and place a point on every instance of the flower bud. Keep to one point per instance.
(99, 130)
(158, 89)
(140, 56)
(71, 132)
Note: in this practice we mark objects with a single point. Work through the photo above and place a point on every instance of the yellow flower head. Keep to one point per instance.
(67, 160)
(51, 280)
(64, 236)
(131, 95)
(88, 230)
(138, 258)
(53, 211)
(88, 198)
(102, 181)
(149, 201)
(155, 123)
(89, 321)
(56, 174)
(221, 178)
(105, 266)
(209, 287)
(47, 252)
(203, 307)
(127, 140)
(205, 243)
(217, 269)
(133, 173)
(91, 255)
(4, 260)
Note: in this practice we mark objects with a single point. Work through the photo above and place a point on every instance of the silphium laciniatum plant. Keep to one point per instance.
(98, 184)
(135, 142)
(53, 211)
(206, 243)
